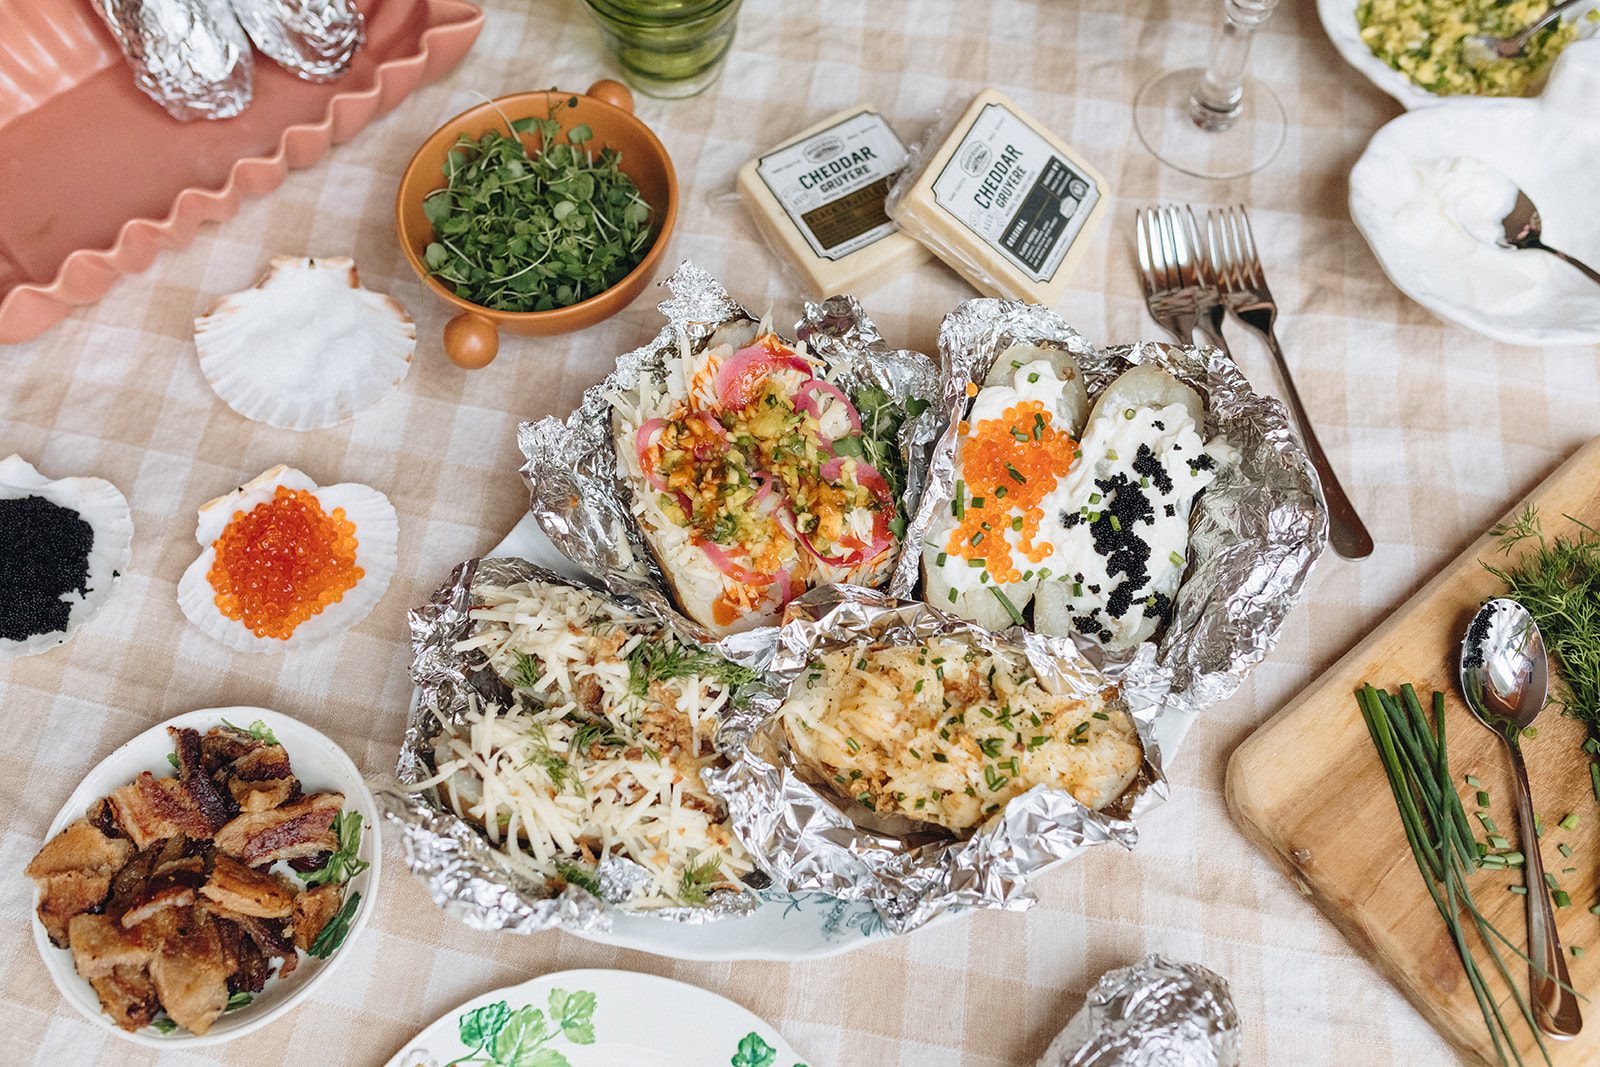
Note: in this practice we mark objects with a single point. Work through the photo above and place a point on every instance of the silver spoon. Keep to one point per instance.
(1522, 229)
(1505, 677)
(1484, 48)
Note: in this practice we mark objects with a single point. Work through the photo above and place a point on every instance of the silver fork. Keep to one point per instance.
(1179, 287)
(1233, 256)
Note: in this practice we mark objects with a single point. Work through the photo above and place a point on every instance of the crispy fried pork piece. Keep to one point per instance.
(100, 945)
(247, 892)
(312, 911)
(260, 778)
(176, 869)
(128, 996)
(103, 817)
(151, 809)
(190, 972)
(248, 969)
(300, 828)
(271, 936)
(216, 806)
(221, 745)
(73, 872)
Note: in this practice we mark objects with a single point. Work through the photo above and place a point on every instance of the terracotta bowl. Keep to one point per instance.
(472, 338)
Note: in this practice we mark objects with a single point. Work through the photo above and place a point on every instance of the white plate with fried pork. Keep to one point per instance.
(206, 876)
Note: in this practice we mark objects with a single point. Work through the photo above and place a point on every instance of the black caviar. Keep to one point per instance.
(44, 555)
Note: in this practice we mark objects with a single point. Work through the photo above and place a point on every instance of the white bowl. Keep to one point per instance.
(321, 766)
(1339, 22)
(1548, 146)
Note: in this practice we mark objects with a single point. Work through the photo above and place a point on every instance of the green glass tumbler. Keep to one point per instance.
(668, 48)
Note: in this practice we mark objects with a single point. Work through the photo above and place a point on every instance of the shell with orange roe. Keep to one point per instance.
(282, 562)
(1008, 465)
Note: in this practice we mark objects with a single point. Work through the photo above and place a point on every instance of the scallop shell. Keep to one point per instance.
(105, 509)
(308, 347)
(377, 536)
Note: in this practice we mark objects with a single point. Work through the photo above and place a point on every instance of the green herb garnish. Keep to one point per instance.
(258, 730)
(332, 936)
(667, 658)
(1414, 758)
(582, 877)
(1005, 602)
(342, 865)
(1558, 581)
(516, 230)
(697, 878)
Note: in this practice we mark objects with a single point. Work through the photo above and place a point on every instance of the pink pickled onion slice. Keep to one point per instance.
(641, 446)
(817, 385)
(720, 560)
(749, 365)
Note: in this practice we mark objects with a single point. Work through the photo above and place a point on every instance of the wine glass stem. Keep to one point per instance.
(1219, 98)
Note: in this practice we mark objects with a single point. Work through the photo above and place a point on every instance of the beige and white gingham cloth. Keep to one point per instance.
(1434, 430)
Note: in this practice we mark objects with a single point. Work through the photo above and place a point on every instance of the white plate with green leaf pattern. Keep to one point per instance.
(599, 1019)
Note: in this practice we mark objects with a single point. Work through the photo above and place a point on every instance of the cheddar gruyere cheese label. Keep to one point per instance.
(1015, 192)
(832, 183)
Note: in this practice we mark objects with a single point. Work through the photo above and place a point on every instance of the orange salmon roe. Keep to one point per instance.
(1008, 465)
(283, 562)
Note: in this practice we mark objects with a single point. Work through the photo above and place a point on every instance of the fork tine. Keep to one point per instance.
(1216, 253)
(1141, 240)
(1235, 248)
(1252, 259)
(1169, 251)
(1182, 261)
(1191, 229)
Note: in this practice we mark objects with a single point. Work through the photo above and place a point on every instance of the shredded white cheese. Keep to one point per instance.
(600, 755)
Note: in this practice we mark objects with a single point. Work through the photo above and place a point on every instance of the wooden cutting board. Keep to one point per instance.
(1308, 789)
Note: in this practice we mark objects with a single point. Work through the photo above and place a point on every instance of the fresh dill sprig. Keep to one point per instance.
(343, 864)
(525, 675)
(258, 730)
(668, 658)
(582, 877)
(698, 877)
(555, 766)
(1558, 580)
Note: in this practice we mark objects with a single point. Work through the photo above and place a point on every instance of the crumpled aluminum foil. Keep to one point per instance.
(1254, 533)
(189, 56)
(812, 839)
(1156, 1013)
(313, 39)
(466, 875)
(580, 501)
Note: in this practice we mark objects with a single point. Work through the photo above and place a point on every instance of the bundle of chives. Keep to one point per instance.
(1415, 761)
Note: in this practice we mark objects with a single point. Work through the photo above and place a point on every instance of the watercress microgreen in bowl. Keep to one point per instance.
(516, 230)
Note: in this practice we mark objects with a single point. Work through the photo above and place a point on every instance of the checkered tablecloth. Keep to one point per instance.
(1434, 430)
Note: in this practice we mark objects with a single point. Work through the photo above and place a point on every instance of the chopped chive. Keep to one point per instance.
(977, 538)
(1016, 475)
(977, 502)
(1560, 899)
(1176, 558)
(939, 561)
(952, 596)
(1095, 498)
(1483, 799)
(1569, 821)
(1594, 779)
(1519, 890)
(1033, 377)
(1550, 880)
(1116, 523)
(1565, 850)
(1577, 951)
(852, 744)
(1005, 602)
(1016, 523)
(1496, 841)
(1102, 716)
(977, 561)
(1473, 782)
(1488, 823)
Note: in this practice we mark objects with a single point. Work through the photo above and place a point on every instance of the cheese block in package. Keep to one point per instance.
(1003, 201)
(818, 198)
